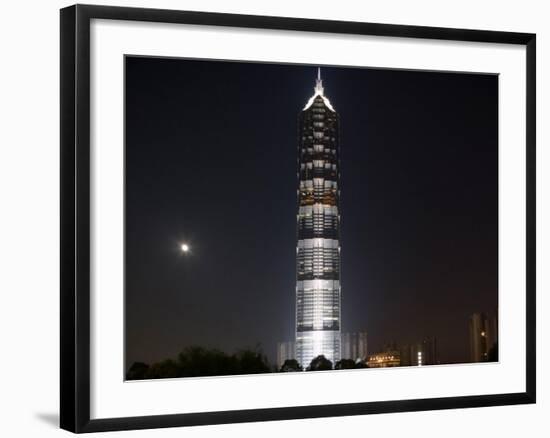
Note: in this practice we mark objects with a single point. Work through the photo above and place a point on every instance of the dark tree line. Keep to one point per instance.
(198, 361)
(321, 363)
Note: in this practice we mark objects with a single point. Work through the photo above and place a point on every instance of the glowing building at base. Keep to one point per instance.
(318, 288)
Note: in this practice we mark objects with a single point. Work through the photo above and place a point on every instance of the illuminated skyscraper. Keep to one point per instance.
(318, 287)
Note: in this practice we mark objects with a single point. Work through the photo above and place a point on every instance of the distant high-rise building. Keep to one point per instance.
(354, 346)
(429, 351)
(409, 354)
(483, 336)
(318, 232)
(421, 353)
(285, 350)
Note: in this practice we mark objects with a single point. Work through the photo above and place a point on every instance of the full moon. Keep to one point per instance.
(184, 247)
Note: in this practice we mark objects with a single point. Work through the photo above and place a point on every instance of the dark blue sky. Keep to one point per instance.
(211, 160)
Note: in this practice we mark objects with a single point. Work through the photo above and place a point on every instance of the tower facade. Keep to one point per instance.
(318, 290)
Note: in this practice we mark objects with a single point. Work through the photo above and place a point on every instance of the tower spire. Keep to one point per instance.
(319, 83)
(318, 91)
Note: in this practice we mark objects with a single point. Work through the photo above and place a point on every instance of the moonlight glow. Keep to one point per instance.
(184, 247)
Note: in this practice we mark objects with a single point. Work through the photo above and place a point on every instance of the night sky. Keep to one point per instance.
(211, 161)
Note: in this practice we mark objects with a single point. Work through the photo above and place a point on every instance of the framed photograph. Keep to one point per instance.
(268, 218)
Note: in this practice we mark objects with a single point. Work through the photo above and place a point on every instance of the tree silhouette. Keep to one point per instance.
(290, 365)
(320, 363)
(344, 364)
(252, 362)
(197, 361)
(137, 371)
(166, 369)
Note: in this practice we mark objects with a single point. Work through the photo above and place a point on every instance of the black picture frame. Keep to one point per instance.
(75, 217)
